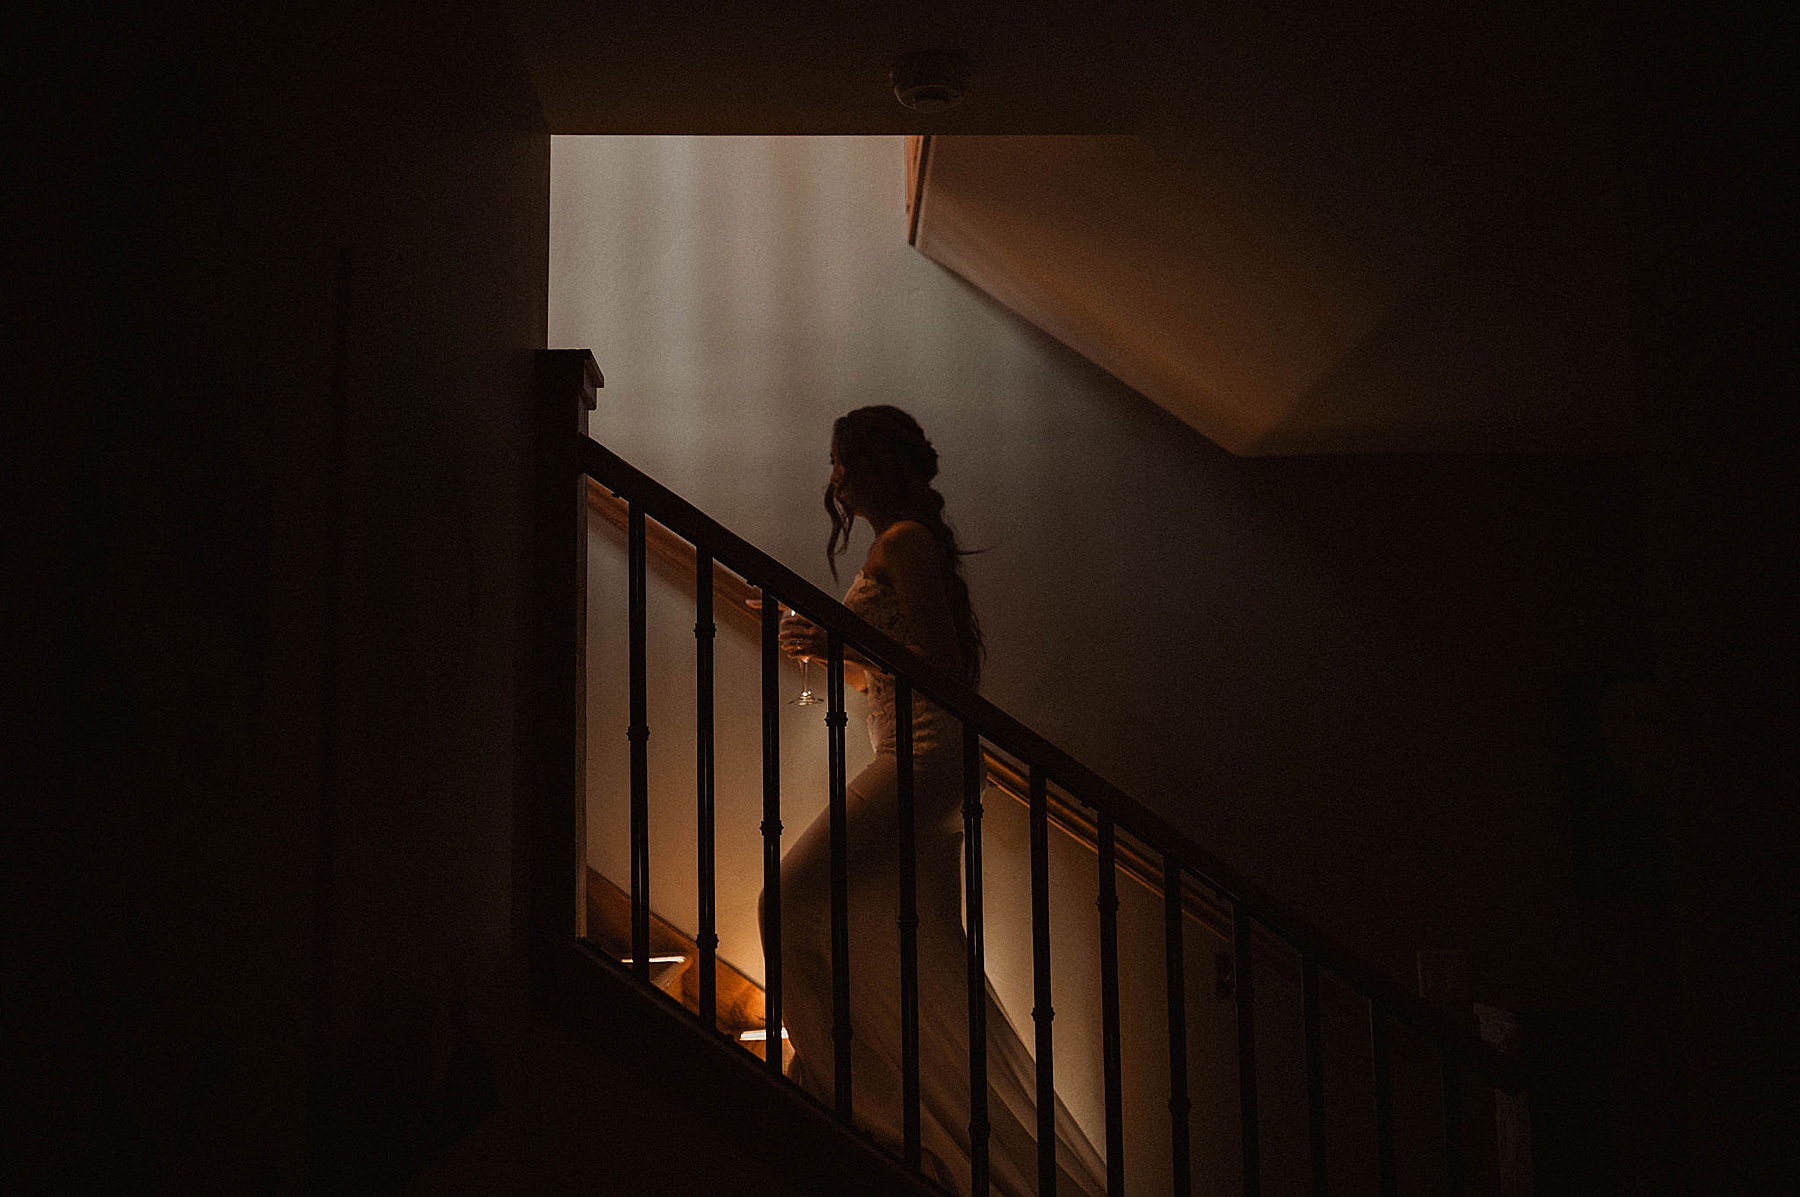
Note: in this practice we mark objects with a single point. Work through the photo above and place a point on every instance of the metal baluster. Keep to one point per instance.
(708, 940)
(1176, 964)
(1453, 1138)
(909, 925)
(835, 718)
(978, 1086)
(639, 734)
(1042, 1012)
(771, 828)
(1108, 903)
(1384, 1100)
(1315, 1069)
(1246, 1029)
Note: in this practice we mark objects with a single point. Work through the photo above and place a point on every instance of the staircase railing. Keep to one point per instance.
(735, 597)
(1167, 859)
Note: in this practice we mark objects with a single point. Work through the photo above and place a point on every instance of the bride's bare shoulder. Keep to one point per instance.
(905, 545)
(904, 538)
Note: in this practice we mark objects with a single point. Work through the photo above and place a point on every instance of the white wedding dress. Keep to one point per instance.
(943, 961)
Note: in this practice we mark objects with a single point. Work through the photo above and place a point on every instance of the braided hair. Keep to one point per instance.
(884, 448)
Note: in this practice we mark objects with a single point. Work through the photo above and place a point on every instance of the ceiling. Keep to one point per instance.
(1345, 231)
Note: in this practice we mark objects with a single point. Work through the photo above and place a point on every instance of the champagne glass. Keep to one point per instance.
(807, 697)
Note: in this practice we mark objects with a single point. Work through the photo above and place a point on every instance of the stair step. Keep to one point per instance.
(727, 1087)
(675, 967)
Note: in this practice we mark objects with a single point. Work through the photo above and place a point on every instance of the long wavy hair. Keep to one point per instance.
(883, 449)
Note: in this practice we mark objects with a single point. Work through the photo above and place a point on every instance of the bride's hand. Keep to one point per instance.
(801, 637)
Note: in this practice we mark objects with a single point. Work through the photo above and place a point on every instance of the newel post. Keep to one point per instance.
(552, 899)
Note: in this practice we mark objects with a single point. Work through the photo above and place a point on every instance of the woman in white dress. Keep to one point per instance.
(911, 587)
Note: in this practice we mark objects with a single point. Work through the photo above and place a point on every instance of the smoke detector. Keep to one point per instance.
(930, 80)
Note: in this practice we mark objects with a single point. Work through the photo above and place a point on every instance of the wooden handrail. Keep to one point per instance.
(756, 570)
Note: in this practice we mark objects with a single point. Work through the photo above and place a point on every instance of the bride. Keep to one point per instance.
(911, 587)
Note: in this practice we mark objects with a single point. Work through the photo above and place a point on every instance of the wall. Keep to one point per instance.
(1708, 735)
(287, 278)
(1345, 675)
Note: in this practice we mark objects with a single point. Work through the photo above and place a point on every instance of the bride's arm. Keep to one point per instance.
(909, 557)
(801, 637)
(856, 674)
